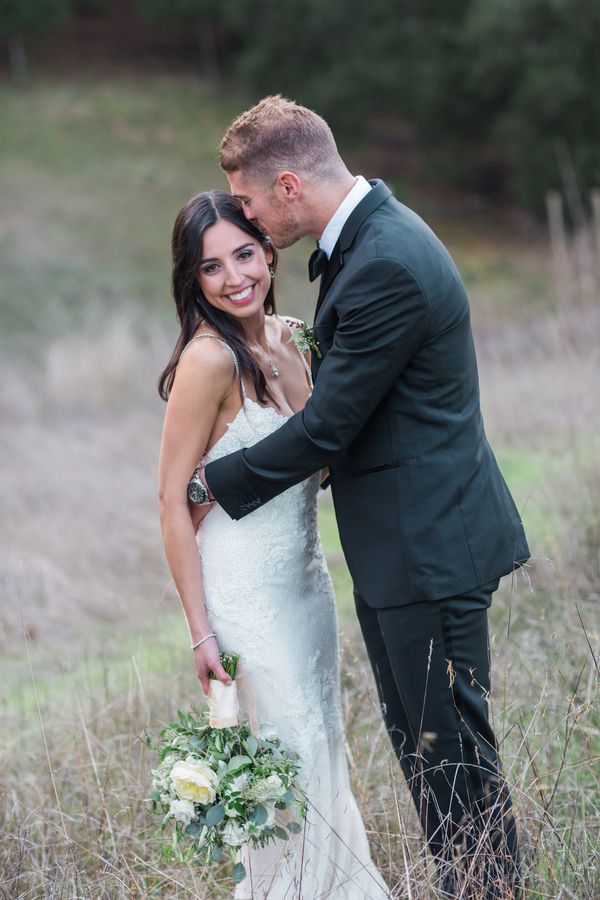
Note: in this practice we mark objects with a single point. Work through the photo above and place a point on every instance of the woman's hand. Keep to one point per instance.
(207, 659)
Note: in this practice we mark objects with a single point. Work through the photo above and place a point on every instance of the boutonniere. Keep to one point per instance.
(304, 338)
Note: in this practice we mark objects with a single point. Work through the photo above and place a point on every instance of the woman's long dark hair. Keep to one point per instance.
(197, 215)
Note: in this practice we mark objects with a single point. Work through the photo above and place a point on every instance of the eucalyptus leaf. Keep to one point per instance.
(237, 763)
(259, 814)
(215, 814)
(280, 832)
(193, 828)
(239, 873)
(251, 744)
(294, 828)
(216, 854)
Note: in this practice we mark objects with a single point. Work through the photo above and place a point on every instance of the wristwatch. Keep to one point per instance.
(197, 491)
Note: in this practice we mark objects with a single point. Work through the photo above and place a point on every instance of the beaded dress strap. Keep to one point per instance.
(207, 334)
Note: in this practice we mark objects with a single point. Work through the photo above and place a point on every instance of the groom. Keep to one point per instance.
(426, 521)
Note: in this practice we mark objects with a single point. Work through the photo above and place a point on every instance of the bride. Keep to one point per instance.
(258, 586)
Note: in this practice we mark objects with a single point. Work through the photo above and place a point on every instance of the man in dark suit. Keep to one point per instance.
(426, 520)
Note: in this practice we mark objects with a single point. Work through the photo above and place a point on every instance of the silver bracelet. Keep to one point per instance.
(198, 643)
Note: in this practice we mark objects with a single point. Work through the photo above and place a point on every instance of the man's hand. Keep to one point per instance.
(199, 511)
(207, 659)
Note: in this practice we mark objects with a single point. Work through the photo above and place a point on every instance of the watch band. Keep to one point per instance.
(197, 491)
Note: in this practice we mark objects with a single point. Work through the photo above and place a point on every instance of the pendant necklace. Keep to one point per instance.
(272, 366)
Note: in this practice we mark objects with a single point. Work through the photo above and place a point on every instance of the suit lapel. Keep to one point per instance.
(367, 205)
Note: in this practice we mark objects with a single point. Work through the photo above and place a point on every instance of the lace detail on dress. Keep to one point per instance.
(279, 542)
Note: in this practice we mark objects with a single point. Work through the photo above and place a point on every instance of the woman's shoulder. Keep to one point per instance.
(208, 351)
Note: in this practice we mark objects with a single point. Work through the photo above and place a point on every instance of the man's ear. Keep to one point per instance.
(288, 186)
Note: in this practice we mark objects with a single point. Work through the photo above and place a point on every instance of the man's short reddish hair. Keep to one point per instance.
(278, 135)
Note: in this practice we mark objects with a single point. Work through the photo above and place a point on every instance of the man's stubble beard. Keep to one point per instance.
(288, 229)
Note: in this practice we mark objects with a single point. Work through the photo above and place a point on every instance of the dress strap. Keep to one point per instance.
(207, 334)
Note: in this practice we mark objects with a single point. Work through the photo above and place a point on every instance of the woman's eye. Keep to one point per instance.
(209, 269)
(245, 254)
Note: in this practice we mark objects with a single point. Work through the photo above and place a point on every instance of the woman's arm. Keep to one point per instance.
(204, 379)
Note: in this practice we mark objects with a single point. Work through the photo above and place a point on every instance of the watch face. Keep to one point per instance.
(196, 491)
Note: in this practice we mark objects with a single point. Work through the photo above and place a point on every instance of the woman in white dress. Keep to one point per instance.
(260, 585)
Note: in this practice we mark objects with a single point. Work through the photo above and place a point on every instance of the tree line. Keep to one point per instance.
(506, 88)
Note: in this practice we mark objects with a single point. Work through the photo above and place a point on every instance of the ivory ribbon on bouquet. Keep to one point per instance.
(223, 704)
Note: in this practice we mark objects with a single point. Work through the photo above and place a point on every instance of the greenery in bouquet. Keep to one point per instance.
(220, 788)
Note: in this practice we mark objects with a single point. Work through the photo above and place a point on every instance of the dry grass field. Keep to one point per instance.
(93, 645)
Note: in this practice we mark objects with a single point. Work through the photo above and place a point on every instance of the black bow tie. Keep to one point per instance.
(317, 262)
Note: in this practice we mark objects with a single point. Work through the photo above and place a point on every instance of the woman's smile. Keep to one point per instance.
(246, 295)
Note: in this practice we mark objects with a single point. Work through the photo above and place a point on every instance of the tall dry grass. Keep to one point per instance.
(81, 422)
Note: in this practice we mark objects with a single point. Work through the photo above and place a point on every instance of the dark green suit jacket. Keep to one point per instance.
(422, 508)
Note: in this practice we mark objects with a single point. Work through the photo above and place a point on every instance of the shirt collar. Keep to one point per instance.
(338, 220)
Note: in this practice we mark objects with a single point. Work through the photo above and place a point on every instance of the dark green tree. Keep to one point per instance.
(512, 80)
(21, 18)
(541, 77)
(209, 20)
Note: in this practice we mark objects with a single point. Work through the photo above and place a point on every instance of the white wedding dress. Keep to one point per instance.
(270, 599)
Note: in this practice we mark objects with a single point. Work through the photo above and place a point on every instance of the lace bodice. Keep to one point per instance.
(298, 504)
(277, 542)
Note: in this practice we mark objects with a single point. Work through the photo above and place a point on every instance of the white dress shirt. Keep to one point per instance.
(342, 214)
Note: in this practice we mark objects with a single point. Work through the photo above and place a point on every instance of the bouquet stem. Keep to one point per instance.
(222, 698)
(223, 705)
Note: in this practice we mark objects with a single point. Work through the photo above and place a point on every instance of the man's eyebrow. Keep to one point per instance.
(237, 250)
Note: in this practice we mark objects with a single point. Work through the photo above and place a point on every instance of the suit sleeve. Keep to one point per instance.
(383, 319)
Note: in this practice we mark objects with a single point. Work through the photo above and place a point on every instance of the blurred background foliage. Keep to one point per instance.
(500, 98)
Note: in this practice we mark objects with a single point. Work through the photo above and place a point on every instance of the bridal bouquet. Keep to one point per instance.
(217, 786)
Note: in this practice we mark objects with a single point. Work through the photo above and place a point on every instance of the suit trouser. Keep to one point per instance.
(432, 669)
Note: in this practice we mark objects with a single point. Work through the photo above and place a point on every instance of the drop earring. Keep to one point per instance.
(271, 271)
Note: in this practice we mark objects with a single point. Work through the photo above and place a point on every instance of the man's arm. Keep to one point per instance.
(383, 320)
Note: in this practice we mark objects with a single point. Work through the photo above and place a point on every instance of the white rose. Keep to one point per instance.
(183, 811)
(234, 835)
(194, 780)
